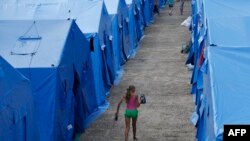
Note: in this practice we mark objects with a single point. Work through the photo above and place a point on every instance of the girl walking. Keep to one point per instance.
(131, 112)
(171, 5)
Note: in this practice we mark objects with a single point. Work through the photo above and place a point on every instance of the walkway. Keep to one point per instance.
(159, 72)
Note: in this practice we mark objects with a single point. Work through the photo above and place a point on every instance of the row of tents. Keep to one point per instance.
(220, 54)
(59, 59)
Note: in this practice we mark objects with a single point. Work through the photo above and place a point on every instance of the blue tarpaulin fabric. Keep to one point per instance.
(228, 94)
(40, 67)
(133, 28)
(224, 69)
(204, 10)
(102, 56)
(78, 10)
(60, 73)
(118, 13)
(229, 8)
(194, 27)
(17, 118)
(140, 18)
(220, 43)
(148, 11)
(101, 33)
(162, 3)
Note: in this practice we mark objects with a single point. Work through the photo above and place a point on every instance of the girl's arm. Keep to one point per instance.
(119, 104)
(138, 101)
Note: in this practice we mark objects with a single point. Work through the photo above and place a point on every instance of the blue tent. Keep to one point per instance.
(59, 69)
(195, 26)
(16, 106)
(207, 37)
(202, 11)
(78, 9)
(225, 98)
(140, 18)
(162, 3)
(229, 8)
(134, 26)
(118, 12)
(98, 31)
(148, 11)
(98, 34)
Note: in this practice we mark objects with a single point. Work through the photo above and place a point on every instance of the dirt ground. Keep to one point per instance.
(158, 71)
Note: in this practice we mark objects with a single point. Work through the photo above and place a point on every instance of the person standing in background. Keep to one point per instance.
(181, 6)
(156, 7)
(171, 5)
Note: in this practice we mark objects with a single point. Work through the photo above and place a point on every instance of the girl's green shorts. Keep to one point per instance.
(131, 113)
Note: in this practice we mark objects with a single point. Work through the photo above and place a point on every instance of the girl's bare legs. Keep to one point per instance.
(134, 120)
(170, 11)
(181, 6)
(127, 123)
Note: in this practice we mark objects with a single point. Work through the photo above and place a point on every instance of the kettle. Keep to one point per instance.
(143, 99)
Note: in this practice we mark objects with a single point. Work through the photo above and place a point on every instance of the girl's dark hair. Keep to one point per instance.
(130, 90)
